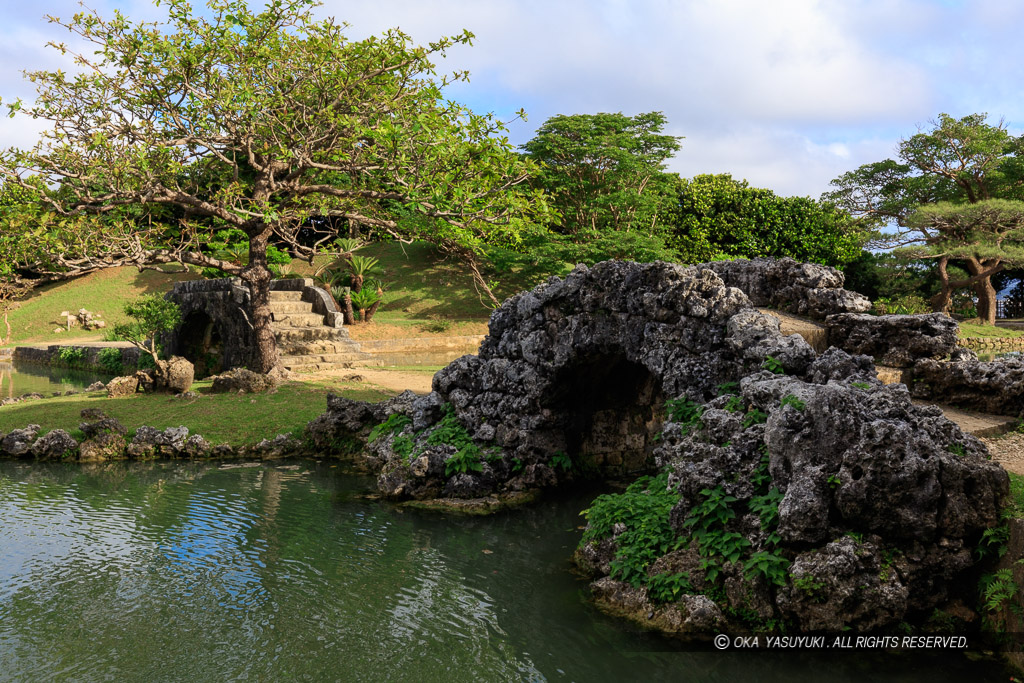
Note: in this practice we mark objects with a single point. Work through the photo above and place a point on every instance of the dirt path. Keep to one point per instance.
(394, 380)
(1008, 451)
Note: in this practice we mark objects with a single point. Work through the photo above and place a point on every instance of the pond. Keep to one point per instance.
(287, 571)
(18, 378)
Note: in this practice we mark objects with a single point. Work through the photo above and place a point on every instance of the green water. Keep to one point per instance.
(23, 378)
(285, 571)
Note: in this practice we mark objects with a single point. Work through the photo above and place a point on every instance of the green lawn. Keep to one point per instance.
(236, 419)
(975, 330)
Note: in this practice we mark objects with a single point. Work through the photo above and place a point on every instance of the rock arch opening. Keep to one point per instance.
(200, 342)
(611, 411)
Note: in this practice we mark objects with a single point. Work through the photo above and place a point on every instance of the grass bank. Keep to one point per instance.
(235, 419)
(104, 292)
(973, 330)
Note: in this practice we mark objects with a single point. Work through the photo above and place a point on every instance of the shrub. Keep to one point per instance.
(110, 361)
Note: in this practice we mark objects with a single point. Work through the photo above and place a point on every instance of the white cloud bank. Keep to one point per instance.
(788, 94)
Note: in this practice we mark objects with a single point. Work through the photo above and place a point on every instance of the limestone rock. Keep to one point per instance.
(56, 445)
(895, 340)
(18, 442)
(175, 375)
(103, 446)
(278, 447)
(242, 380)
(122, 386)
(107, 424)
(151, 443)
(92, 414)
(992, 387)
(807, 289)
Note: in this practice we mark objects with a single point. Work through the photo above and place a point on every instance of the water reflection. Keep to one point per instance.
(18, 378)
(170, 571)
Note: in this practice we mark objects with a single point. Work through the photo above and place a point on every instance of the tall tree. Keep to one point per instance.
(719, 217)
(260, 122)
(605, 172)
(959, 161)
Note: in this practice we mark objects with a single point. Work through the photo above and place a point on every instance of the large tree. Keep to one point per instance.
(605, 173)
(719, 217)
(958, 161)
(261, 122)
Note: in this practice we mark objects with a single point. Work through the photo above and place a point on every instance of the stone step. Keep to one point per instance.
(279, 307)
(285, 295)
(325, 358)
(299, 319)
(288, 333)
(287, 362)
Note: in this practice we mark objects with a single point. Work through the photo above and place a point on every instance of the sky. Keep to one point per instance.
(787, 94)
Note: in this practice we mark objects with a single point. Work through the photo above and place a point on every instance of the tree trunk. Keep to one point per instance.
(258, 277)
(984, 290)
(376, 304)
(986, 294)
(349, 315)
(943, 298)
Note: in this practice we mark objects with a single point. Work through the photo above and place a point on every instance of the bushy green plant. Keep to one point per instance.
(110, 360)
(71, 356)
(997, 588)
(735, 404)
(907, 304)
(791, 400)
(560, 460)
(395, 423)
(772, 364)
(771, 566)
(684, 411)
(754, 417)
(664, 588)
(151, 315)
(644, 509)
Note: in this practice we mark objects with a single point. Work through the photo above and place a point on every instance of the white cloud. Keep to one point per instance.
(788, 94)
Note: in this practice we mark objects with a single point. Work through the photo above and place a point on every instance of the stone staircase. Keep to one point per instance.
(305, 343)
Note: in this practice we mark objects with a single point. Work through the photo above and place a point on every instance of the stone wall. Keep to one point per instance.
(50, 355)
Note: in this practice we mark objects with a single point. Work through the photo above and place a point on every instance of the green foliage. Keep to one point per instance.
(771, 364)
(110, 360)
(947, 196)
(994, 542)
(644, 509)
(957, 449)
(70, 356)
(707, 523)
(718, 217)
(232, 245)
(860, 385)
(395, 424)
(684, 411)
(907, 304)
(448, 431)
(150, 315)
(365, 298)
(996, 589)
(791, 400)
(766, 507)
(665, 588)
(754, 417)
(771, 566)
(735, 404)
(810, 585)
(604, 173)
(726, 388)
(561, 461)
(834, 482)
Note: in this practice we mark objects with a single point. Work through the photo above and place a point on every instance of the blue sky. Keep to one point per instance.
(787, 94)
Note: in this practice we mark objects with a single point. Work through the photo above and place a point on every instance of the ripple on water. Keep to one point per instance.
(175, 571)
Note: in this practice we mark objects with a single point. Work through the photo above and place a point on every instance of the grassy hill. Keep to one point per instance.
(104, 292)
